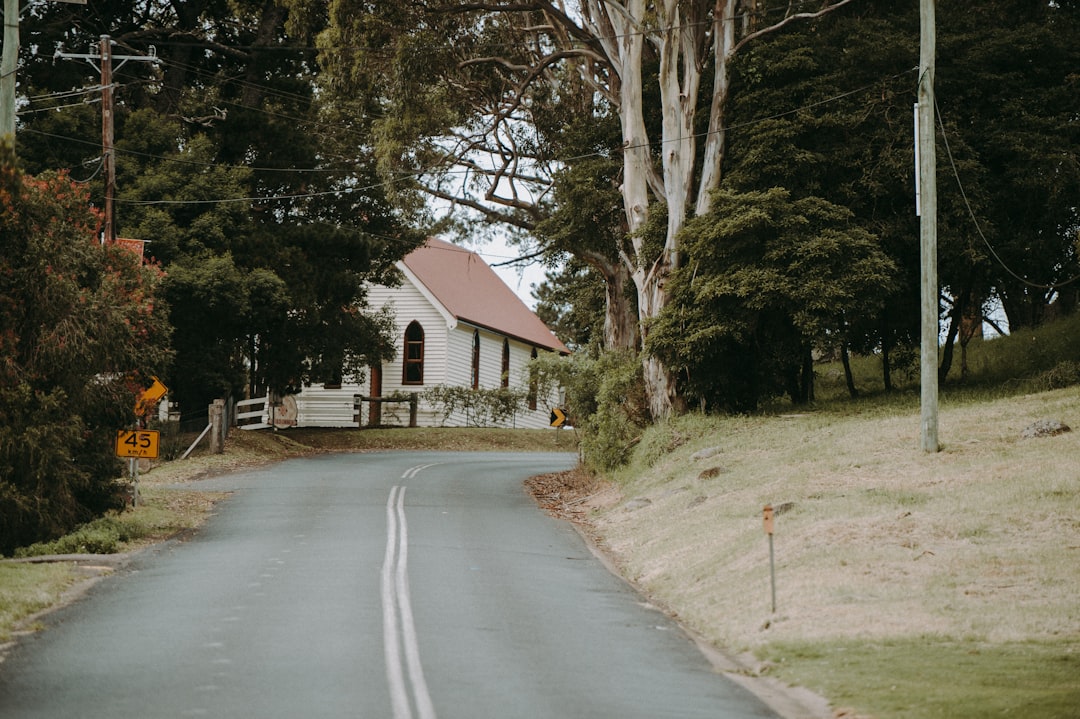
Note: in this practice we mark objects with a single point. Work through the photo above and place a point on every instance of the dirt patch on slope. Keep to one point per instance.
(573, 494)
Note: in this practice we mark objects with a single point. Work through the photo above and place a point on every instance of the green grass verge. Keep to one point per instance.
(160, 514)
(924, 677)
(28, 588)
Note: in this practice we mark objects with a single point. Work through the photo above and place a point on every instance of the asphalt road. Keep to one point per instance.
(388, 585)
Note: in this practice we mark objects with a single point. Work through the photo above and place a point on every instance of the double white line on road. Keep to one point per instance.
(399, 630)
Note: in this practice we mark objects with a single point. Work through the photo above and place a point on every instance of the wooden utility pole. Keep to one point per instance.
(108, 154)
(108, 157)
(927, 164)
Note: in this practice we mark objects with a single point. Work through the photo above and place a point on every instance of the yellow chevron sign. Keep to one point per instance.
(558, 417)
(150, 397)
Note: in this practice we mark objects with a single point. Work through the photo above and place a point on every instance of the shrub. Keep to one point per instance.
(72, 312)
(1064, 374)
(482, 407)
(102, 536)
(604, 399)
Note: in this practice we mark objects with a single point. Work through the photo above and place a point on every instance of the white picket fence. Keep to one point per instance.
(257, 409)
(333, 408)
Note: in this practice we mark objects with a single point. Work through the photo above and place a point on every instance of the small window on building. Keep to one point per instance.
(506, 363)
(476, 359)
(533, 383)
(413, 370)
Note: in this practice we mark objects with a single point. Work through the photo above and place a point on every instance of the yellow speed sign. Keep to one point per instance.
(137, 443)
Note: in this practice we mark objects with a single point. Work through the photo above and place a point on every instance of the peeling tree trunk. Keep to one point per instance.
(620, 318)
(617, 46)
(716, 141)
(661, 391)
(683, 33)
(638, 175)
(620, 321)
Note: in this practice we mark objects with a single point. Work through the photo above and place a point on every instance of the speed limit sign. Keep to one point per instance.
(137, 443)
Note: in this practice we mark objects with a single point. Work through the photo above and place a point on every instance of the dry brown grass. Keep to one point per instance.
(979, 541)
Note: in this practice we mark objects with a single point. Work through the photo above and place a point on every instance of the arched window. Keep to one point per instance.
(413, 369)
(533, 384)
(506, 364)
(476, 359)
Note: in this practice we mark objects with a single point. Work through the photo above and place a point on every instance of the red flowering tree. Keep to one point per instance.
(78, 323)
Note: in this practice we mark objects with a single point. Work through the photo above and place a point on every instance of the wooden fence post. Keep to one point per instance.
(217, 420)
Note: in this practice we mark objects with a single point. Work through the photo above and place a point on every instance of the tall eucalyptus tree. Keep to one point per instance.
(460, 87)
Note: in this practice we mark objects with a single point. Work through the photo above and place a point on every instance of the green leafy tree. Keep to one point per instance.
(826, 110)
(82, 330)
(463, 90)
(211, 301)
(229, 166)
(585, 219)
(571, 302)
(1007, 88)
(768, 279)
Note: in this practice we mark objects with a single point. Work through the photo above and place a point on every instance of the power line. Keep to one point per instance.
(181, 161)
(978, 227)
(36, 110)
(63, 94)
(380, 51)
(419, 173)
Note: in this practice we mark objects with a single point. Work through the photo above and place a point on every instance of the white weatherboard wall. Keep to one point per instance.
(448, 347)
(327, 407)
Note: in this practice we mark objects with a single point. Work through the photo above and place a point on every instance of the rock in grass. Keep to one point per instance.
(712, 472)
(706, 453)
(1045, 428)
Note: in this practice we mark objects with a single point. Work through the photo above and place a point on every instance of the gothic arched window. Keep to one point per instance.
(413, 365)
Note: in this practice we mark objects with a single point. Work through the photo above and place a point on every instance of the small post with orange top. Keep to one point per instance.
(768, 521)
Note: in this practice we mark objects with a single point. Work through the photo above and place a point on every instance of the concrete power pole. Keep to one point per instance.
(927, 164)
(10, 64)
(7, 69)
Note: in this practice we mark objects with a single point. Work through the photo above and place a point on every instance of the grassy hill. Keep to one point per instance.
(907, 584)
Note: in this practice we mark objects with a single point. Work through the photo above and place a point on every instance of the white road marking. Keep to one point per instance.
(399, 630)
(413, 471)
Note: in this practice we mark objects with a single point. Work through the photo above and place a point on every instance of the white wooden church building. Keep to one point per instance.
(457, 324)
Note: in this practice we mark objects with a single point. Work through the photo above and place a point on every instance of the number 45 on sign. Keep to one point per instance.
(141, 443)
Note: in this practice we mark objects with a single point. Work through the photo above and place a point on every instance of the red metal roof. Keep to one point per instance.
(473, 293)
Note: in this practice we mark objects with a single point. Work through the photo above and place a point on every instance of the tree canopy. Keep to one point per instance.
(729, 180)
(229, 165)
(83, 329)
(472, 87)
(768, 279)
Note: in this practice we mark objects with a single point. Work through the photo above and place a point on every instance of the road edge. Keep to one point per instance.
(790, 702)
